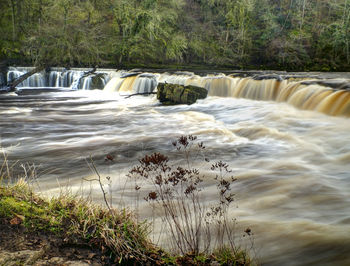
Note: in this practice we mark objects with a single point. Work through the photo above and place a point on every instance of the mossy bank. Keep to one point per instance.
(72, 231)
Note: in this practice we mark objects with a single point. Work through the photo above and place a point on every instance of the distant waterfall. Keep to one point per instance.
(63, 78)
(315, 97)
(36, 80)
(329, 96)
(57, 78)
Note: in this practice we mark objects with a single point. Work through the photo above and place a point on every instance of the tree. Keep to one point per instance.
(68, 36)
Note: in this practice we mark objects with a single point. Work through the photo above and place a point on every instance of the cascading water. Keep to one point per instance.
(36, 80)
(307, 96)
(137, 83)
(292, 165)
(145, 83)
(57, 78)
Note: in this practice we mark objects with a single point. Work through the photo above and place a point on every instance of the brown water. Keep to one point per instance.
(292, 165)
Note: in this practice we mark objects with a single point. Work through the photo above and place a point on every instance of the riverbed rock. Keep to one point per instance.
(338, 84)
(170, 94)
(97, 82)
(268, 76)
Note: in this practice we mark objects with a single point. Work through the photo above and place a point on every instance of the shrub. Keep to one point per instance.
(177, 191)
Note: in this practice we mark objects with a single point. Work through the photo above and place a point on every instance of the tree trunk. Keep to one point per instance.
(13, 20)
(12, 86)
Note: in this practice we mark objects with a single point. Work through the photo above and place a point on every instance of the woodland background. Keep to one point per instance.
(261, 34)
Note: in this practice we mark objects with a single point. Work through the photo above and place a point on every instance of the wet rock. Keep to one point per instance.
(169, 94)
(184, 73)
(130, 74)
(268, 76)
(339, 84)
(97, 82)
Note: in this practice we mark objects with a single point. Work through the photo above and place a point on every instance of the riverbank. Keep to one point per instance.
(72, 231)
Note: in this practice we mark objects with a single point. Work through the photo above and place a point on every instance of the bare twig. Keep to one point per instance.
(99, 180)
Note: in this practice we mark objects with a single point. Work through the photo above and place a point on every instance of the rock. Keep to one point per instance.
(130, 74)
(268, 76)
(97, 82)
(169, 94)
(340, 84)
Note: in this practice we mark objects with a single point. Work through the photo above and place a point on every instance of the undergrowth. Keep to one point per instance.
(116, 233)
(193, 226)
(77, 221)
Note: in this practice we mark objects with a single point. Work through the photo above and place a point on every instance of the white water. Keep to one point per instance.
(293, 166)
(59, 78)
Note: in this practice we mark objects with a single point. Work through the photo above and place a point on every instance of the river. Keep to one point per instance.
(292, 165)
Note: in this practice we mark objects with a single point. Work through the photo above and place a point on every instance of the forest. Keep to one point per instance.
(302, 35)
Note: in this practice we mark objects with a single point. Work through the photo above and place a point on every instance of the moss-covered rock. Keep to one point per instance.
(97, 82)
(179, 94)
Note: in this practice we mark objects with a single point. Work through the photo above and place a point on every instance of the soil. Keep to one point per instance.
(18, 246)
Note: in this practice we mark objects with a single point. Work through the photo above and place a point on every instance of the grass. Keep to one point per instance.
(116, 234)
(80, 222)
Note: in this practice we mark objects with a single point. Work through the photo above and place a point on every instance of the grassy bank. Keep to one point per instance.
(199, 234)
(113, 236)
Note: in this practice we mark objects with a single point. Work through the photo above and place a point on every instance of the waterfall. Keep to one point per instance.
(178, 78)
(113, 84)
(331, 97)
(142, 83)
(115, 81)
(127, 84)
(315, 97)
(85, 83)
(145, 83)
(56, 78)
(36, 80)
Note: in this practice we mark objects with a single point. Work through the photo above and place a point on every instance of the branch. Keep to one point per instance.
(140, 93)
(12, 86)
(93, 167)
(87, 73)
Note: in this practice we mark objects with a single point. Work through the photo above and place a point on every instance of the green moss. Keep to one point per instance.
(177, 94)
(227, 256)
(77, 220)
(201, 258)
(10, 206)
(169, 260)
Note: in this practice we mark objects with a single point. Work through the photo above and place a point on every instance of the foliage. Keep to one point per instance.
(295, 34)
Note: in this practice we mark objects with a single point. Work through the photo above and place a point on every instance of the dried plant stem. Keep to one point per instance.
(99, 180)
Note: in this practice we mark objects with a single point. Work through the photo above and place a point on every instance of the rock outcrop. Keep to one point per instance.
(170, 94)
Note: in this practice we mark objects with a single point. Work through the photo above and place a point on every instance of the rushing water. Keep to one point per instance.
(56, 78)
(292, 165)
